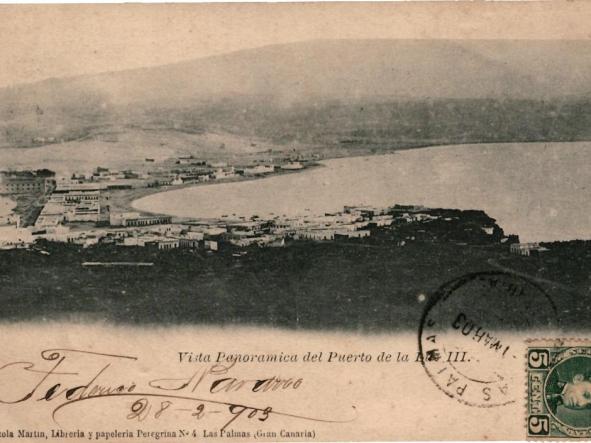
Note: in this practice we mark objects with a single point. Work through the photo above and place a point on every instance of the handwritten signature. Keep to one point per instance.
(157, 398)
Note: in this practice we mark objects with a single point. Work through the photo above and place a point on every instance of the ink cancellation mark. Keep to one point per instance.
(465, 335)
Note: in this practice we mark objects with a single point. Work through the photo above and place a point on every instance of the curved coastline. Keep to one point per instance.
(490, 177)
(125, 200)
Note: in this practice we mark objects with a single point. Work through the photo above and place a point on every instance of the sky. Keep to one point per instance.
(43, 41)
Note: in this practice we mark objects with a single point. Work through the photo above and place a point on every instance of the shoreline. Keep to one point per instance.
(122, 201)
(475, 154)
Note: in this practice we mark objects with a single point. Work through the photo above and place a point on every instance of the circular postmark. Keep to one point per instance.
(467, 335)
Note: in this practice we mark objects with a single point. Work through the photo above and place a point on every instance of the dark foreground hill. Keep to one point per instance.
(371, 284)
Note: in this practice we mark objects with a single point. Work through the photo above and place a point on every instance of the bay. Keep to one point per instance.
(536, 190)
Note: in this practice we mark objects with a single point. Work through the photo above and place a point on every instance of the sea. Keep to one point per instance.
(539, 191)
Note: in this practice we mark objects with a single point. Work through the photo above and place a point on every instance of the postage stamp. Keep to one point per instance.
(559, 391)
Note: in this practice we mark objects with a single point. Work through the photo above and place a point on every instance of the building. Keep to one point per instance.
(292, 166)
(135, 219)
(221, 174)
(178, 180)
(83, 212)
(184, 160)
(212, 231)
(160, 181)
(526, 249)
(290, 224)
(121, 185)
(72, 202)
(52, 214)
(12, 237)
(382, 220)
(26, 182)
(78, 186)
(366, 211)
(73, 198)
(259, 170)
(135, 241)
(194, 236)
(219, 164)
(164, 243)
(49, 220)
(10, 219)
(189, 243)
(211, 245)
(59, 233)
(316, 234)
(245, 241)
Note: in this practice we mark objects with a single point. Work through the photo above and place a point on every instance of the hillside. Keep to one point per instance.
(378, 93)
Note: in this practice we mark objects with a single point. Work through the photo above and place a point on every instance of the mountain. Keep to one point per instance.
(281, 86)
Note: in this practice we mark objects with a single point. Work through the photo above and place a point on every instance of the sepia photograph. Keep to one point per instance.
(316, 184)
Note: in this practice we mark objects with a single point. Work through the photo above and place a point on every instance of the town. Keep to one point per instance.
(78, 208)
(85, 210)
(76, 243)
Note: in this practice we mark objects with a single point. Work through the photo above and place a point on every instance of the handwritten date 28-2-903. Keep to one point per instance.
(57, 380)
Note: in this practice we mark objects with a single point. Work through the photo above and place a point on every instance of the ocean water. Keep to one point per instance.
(537, 190)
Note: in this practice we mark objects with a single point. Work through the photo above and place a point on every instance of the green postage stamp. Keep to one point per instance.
(559, 391)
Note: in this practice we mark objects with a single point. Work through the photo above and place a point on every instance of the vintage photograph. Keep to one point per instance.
(364, 169)
(314, 184)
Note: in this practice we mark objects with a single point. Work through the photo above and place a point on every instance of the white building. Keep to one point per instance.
(221, 174)
(316, 234)
(59, 234)
(13, 237)
(291, 166)
(136, 219)
(168, 243)
(212, 245)
(526, 248)
(10, 219)
(259, 170)
(177, 181)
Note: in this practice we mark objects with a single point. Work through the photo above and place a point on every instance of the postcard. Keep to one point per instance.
(295, 222)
